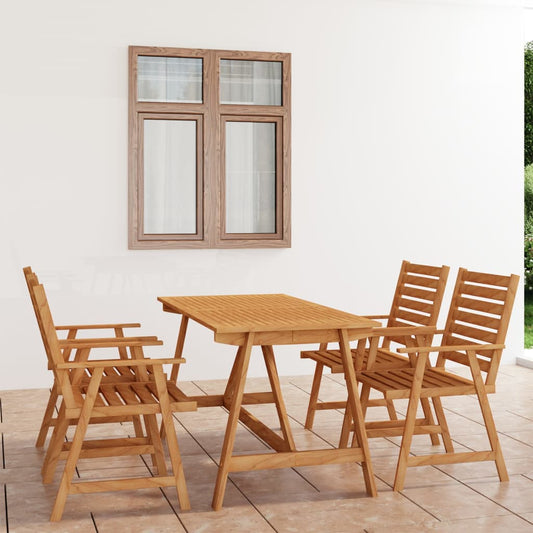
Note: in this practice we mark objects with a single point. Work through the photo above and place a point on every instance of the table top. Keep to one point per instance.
(243, 313)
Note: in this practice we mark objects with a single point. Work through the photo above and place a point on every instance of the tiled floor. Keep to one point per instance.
(458, 498)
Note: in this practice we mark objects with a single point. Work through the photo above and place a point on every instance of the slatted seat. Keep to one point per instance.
(474, 336)
(82, 401)
(111, 373)
(417, 301)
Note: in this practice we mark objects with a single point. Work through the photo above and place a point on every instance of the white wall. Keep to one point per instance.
(407, 143)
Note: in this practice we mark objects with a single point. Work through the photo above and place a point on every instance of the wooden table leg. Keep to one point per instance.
(234, 376)
(241, 369)
(355, 407)
(268, 354)
(179, 347)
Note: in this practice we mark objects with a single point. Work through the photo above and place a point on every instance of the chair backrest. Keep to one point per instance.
(51, 342)
(32, 281)
(418, 297)
(479, 313)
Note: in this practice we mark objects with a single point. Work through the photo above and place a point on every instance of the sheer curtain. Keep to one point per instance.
(169, 176)
(250, 146)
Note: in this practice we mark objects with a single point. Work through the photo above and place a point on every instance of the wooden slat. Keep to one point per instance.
(329, 358)
(144, 393)
(100, 326)
(451, 458)
(481, 291)
(477, 320)
(461, 358)
(321, 406)
(112, 451)
(482, 306)
(293, 459)
(88, 487)
(426, 270)
(110, 394)
(420, 293)
(480, 335)
(487, 279)
(415, 318)
(127, 394)
(421, 281)
(263, 431)
(416, 305)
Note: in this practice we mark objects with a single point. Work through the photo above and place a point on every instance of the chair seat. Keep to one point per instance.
(332, 359)
(113, 374)
(396, 383)
(123, 398)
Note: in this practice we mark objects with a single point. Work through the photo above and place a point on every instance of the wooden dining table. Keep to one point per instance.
(267, 320)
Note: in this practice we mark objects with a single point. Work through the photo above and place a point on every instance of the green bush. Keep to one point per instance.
(528, 103)
(528, 200)
(528, 229)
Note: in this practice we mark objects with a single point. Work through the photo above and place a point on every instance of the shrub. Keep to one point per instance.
(528, 103)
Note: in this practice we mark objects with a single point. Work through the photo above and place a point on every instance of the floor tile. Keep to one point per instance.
(452, 502)
(508, 523)
(326, 498)
(516, 495)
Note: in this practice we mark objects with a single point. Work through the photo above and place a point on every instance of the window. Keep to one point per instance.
(209, 148)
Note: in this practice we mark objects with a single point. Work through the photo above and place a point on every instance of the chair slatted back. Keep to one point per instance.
(32, 281)
(418, 297)
(51, 343)
(479, 313)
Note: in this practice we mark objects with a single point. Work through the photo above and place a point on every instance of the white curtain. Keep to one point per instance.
(250, 177)
(250, 147)
(169, 176)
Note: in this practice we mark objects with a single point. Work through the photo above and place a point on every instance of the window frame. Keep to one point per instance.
(211, 117)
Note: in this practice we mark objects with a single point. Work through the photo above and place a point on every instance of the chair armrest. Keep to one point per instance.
(110, 342)
(375, 316)
(102, 363)
(452, 348)
(100, 326)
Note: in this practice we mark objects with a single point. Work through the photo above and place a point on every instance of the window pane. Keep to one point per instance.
(250, 177)
(169, 176)
(169, 79)
(250, 82)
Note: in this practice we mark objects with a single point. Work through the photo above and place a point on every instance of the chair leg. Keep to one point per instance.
(410, 421)
(47, 417)
(487, 416)
(390, 409)
(158, 455)
(55, 446)
(76, 445)
(441, 418)
(428, 415)
(405, 448)
(313, 398)
(172, 441)
(137, 426)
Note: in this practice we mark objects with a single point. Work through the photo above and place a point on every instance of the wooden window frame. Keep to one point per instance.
(211, 117)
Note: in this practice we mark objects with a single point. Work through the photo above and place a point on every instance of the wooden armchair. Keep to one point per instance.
(111, 373)
(417, 301)
(474, 336)
(84, 399)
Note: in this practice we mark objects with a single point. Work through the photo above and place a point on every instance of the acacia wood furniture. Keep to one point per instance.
(82, 401)
(111, 373)
(474, 336)
(266, 320)
(417, 301)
